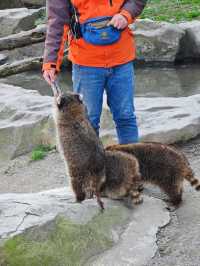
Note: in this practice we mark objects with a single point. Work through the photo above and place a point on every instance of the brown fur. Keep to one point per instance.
(81, 148)
(162, 165)
(122, 177)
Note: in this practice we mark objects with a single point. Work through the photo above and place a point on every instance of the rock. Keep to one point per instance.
(25, 121)
(21, 3)
(190, 44)
(165, 119)
(48, 228)
(34, 3)
(23, 38)
(20, 66)
(157, 41)
(27, 52)
(10, 4)
(19, 19)
(3, 58)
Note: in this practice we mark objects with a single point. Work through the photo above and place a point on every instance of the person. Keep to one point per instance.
(95, 67)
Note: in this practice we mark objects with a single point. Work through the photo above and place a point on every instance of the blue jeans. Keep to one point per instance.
(118, 82)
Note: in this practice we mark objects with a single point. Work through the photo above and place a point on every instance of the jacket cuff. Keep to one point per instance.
(127, 15)
(50, 65)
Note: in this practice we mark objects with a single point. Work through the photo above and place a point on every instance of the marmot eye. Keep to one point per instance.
(78, 97)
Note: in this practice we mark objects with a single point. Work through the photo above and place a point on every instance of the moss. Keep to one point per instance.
(40, 152)
(66, 244)
(41, 19)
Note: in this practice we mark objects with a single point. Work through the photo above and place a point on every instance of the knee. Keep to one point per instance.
(125, 120)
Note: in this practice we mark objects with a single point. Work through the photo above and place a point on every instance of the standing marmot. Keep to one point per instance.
(162, 165)
(81, 148)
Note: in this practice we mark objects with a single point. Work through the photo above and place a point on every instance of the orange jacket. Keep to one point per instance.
(81, 52)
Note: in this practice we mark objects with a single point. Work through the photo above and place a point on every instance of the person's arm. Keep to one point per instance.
(57, 31)
(132, 9)
(129, 11)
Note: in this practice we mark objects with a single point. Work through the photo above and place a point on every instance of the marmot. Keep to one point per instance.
(81, 148)
(123, 177)
(162, 165)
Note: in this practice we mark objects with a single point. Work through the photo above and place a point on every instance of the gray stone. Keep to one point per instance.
(166, 119)
(19, 19)
(190, 44)
(34, 2)
(157, 41)
(18, 54)
(23, 38)
(3, 58)
(10, 4)
(127, 237)
(27, 64)
(25, 121)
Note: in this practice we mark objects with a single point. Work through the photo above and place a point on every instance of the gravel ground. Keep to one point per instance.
(24, 175)
(178, 242)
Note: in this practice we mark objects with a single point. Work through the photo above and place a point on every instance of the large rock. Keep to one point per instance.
(10, 4)
(190, 44)
(25, 121)
(31, 63)
(19, 19)
(34, 3)
(23, 38)
(21, 3)
(26, 52)
(3, 59)
(48, 228)
(165, 119)
(157, 41)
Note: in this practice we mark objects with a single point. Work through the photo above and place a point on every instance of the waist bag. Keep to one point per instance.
(96, 31)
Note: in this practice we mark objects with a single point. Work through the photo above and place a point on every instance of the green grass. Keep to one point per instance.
(40, 152)
(172, 10)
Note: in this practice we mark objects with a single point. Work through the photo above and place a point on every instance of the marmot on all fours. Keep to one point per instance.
(162, 165)
(123, 177)
(81, 148)
(93, 171)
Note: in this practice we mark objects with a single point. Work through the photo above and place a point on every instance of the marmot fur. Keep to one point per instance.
(162, 165)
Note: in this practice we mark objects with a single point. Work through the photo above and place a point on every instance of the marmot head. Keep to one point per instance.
(69, 105)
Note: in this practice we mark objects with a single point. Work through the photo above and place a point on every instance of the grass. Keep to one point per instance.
(172, 10)
(40, 152)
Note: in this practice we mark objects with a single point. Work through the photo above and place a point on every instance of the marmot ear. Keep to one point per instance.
(79, 97)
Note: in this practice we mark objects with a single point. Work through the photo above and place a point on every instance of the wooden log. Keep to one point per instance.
(23, 38)
(21, 66)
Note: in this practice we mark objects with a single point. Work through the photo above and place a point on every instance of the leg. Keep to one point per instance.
(78, 190)
(135, 191)
(174, 192)
(120, 93)
(90, 82)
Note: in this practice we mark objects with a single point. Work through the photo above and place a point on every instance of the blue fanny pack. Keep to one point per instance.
(96, 31)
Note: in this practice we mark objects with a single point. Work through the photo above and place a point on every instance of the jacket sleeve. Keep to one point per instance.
(132, 9)
(57, 31)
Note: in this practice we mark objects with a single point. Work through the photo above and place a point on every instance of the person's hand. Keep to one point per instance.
(50, 76)
(118, 21)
